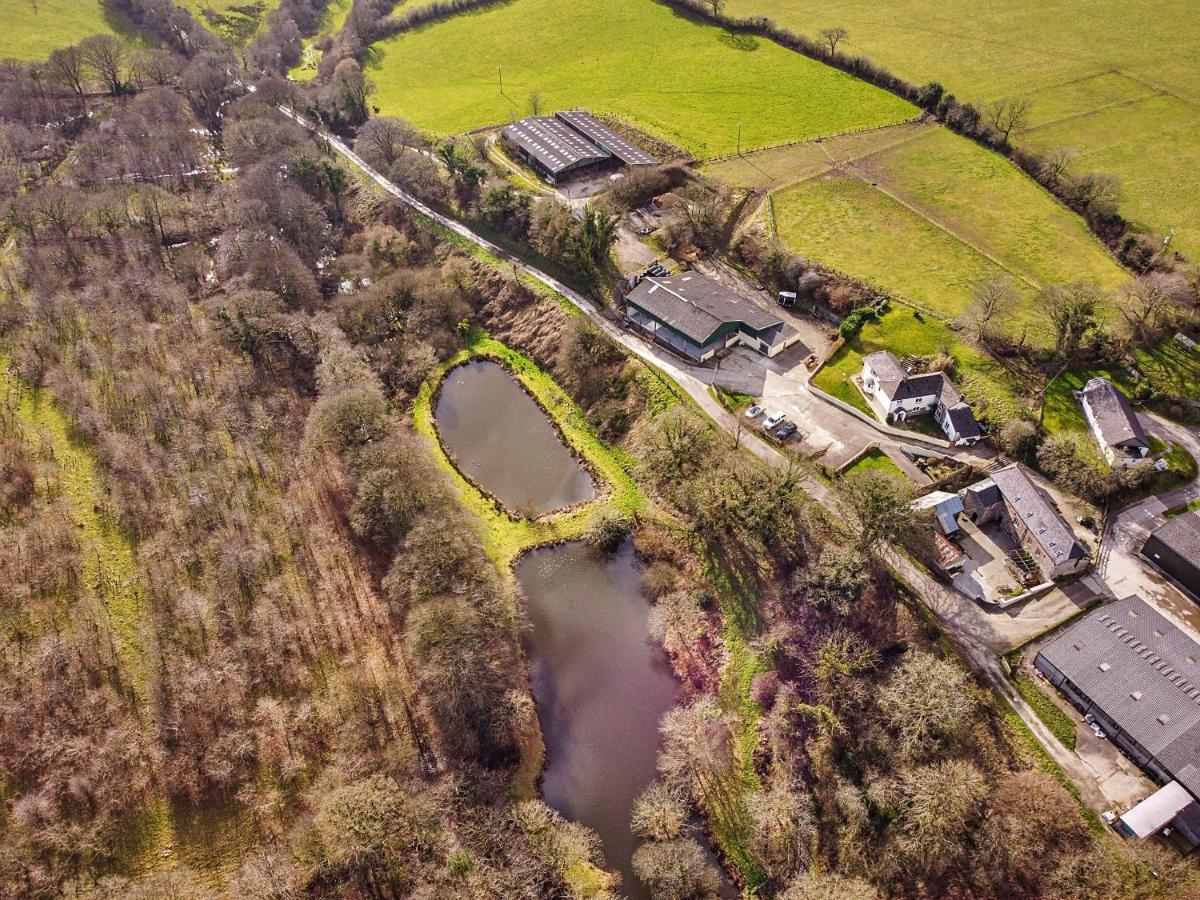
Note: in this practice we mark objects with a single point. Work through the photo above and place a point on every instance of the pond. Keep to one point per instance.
(503, 441)
(601, 687)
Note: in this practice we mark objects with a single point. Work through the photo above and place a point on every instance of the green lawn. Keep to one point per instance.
(1100, 70)
(688, 83)
(985, 384)
(32, 28)
(929, 216)
(874, 460)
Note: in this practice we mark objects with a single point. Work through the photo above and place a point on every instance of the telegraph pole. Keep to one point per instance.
(739, 141)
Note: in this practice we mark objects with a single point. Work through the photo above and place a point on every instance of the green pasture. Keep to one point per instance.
(1117, 80)
(691, 84)
(33, 28)
(930, 216)
(994, 392)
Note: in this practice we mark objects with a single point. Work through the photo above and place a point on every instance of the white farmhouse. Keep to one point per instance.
(901, 395)
(1113, 422)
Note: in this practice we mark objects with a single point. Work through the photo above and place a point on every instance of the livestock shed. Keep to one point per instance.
(1139, 676)
(570, 144)
(697, 317)
(1175, 548)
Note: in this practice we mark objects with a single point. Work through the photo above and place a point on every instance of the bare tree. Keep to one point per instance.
(1071, 310)
(383, 139)
(107, 56)
(989, 300)
(716, 7)
(1008, 116)
(831, 37)
(67, 67)
(535, 103)
(1055, 165)
(1150, 304)
(926, 699)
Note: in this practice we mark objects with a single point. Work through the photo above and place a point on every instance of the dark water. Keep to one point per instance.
(601, 688)
(505, 443)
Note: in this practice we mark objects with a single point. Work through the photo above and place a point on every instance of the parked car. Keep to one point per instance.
(786, 431)
(645, 230)
(811, 361)
(773, 419)
(754, 411)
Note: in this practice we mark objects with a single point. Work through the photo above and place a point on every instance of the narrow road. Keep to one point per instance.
(967, 626)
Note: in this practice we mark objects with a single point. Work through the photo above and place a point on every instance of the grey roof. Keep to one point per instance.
(983, 494)
(1145, 674)
(1035, 511)
(964, 421)
(1115, 418)
(553, 143)
(887, 369)
(628, 153)
(1182, 534)
(697, 307)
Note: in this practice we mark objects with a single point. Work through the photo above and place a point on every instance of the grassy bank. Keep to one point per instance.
(1060, 724)
(874, 460)
(505, 539)
(691, 84)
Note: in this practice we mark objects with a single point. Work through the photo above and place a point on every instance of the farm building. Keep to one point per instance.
(1139, 676)
(1113, 422)
(902, 395)
(570, 145)
(945, 506)
(1029, 517)
(696, 317)
(1175, 548)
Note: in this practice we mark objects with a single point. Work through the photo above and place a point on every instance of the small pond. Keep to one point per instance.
(601, 687)
(503, 441)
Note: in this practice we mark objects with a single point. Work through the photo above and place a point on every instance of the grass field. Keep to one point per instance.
(1118, 80)
(688, 83)
(32, 28)
(927, 216)
(984, 383)
(331, 24)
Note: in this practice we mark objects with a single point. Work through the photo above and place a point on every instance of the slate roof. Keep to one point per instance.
(1145, 674)
(587, 125)
(887, 369)
(964, 421)
(1114, 417)
(1030, 505)
(696, 306)
(553, 143)
(1182, 534)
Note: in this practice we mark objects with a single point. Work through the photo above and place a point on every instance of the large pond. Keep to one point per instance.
(601, 687)
(503, 441)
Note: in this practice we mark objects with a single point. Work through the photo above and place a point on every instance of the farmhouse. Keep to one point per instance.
(1175, 548)
(1139, 676)
(1029, 517)
(696, 317)
(1113, 422)
(570, 145)
(901, 395)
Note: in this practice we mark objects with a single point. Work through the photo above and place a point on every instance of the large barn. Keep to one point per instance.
(570, 144)
(1175, 548)
(1139, 676)
(697, 317)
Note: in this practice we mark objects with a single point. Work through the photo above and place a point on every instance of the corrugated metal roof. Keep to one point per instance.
(696, 306)
(1155, 813)
(625, 151)
(1182, 534)
(553, 143)
(1144, 672)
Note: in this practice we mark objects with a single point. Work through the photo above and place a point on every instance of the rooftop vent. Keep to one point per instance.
(1164, 719)
(1136, 695)
(1157, 633)
(1104, 667)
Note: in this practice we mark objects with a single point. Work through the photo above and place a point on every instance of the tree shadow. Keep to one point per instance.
(747, 43)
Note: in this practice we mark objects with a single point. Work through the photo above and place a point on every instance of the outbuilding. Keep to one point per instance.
(1175, 548)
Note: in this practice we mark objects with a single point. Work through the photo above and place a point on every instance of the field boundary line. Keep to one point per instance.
(815, 139)
(1131, 101)
(958, 237)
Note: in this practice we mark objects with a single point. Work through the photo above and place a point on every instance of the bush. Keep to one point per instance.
(352, 418)
(854, 322)
(607, 528)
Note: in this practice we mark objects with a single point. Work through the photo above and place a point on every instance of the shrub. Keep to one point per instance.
(854, 322)
(607, 528)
